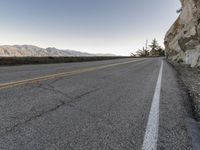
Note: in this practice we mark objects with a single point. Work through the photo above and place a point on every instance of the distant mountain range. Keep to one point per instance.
(34, 51)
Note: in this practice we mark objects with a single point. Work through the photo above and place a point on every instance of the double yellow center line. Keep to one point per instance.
(58, 75)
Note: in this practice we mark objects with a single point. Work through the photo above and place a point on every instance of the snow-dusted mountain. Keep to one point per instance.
(34, 51)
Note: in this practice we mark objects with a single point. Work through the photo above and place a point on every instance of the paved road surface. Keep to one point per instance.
(100, 105)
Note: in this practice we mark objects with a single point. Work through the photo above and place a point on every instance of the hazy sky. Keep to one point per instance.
(95, 26)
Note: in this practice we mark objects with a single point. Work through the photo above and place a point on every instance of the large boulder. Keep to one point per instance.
(182, 41)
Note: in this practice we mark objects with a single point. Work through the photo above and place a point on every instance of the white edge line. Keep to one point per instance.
(151, 134)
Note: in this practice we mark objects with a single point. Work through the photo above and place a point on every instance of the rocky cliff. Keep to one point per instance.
(182, 41)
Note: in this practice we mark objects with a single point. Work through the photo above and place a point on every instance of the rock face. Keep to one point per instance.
(182, 41)
(34, 51)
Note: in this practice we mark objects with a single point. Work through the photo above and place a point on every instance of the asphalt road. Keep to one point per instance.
(101, 105)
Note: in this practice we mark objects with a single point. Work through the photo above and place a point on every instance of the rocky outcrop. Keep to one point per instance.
(182, 41)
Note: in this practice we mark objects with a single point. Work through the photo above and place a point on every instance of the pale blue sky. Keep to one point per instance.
(95, 26)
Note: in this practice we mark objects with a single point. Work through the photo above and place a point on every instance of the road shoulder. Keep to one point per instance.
(175, 110)
(189, 80)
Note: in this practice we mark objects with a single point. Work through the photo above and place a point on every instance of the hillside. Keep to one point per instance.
(34, 51)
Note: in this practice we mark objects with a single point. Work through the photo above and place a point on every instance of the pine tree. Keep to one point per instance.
(154, 48)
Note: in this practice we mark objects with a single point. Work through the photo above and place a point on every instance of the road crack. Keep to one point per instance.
(10, 129)
(53, 109)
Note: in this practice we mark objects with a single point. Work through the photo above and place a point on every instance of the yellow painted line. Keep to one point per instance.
(61, 74)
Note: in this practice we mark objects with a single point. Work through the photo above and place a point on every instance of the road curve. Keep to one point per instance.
(93, 105)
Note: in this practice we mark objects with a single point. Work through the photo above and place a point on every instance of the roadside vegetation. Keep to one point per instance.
(152, 50)
(48, 60)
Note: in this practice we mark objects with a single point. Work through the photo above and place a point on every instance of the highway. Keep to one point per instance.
(122, 104)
